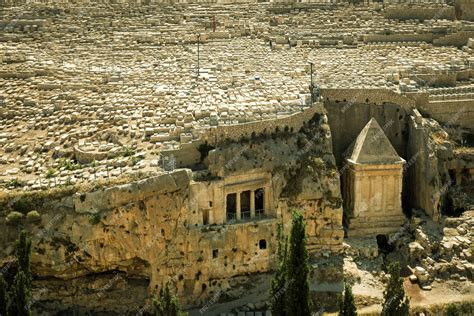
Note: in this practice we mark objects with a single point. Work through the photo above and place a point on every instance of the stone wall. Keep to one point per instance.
(457, 39)
(216, 135)
(186, 156)
(451, 112)
(464, 9)
(441, 79)
(446, 112)
(411, 12)
(371, 38)
(369, 96)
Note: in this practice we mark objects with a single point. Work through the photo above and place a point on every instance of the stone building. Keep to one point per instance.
(373, 184)
(234, 199)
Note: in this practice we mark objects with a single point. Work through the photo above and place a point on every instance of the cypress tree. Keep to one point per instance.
(347, 306)
(20, 296)
(278, 286)
(4, 298)
(395, 302)
(167, 304)
(24, 251)
(297, 270)
(20, 291)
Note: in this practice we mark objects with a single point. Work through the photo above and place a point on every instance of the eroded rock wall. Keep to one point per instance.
(92, 248)
(303, 173)
(429, 149)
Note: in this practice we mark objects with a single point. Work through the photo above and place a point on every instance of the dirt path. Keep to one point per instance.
(441, 294)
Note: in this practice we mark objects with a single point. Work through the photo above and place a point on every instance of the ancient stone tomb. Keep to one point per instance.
(373, 180)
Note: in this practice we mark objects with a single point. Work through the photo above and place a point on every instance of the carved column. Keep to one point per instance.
(252, 203)
(358, 196)
(266, 200)
(458, 177)
(237, 206)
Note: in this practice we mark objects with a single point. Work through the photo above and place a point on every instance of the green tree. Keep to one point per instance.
(4, 298)
(167, 304)
(395, 302)
(347, 306)
(452, 310)
(297, 270)
(20, 296)
(24, 251)
(20, 291)
(278, 286)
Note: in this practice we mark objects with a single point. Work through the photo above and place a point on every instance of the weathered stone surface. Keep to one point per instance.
(117, 196)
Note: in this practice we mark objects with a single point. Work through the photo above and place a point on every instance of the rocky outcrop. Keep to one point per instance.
(438, 252)
(429, 148)
(304, 176)
(140, 234)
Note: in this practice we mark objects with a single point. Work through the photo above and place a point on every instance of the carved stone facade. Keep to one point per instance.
(233, 199)
(373, 184)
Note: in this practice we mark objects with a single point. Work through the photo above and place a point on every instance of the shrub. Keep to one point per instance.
(460, 309)
(33, 216)
(167, 303)
(94, 218)
(4, 297)
(14, 183)
(127, 151)
(68, 164)
(23, 204)
(50, 173)
(14, 217)
(452, 310)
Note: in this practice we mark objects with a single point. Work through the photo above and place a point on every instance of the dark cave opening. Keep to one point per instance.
(384, 244)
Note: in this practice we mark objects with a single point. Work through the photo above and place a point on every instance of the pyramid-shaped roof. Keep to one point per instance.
(373, 147)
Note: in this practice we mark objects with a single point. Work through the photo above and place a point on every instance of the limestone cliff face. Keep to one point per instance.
(429, 150)
(92, 247)
(303, 175)
(110, 249)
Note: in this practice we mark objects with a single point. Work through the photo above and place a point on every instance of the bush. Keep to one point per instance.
(167, 303)
(94, 218)
(14, 183)
(33, 216)
(24, 204)
(68, 164)
(14, 217)
(50, 173)
(460, 309)
(4, 297)
(452, 310)
(127, 151)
